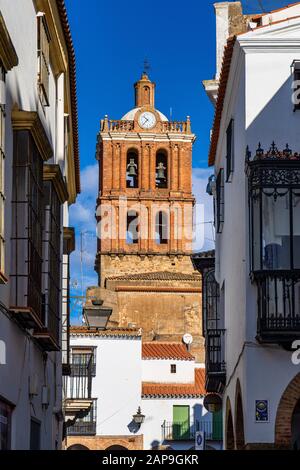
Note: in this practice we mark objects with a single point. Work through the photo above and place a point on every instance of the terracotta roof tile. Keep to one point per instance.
(71, 55)
(220, 99)
(157, 390)
(156, 276)
(84, 330)
(155, 350)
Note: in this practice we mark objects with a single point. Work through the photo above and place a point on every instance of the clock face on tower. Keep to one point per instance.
(147, 120)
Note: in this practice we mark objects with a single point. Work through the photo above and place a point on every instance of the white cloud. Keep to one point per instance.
(203, 225)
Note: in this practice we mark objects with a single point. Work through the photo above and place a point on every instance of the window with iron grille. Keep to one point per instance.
(2, 168)
(229, 150)
(52, 259)
(296, 84)
(82, 359)
(173, 368)
(220, 200)
(43, 59)
(27, 224)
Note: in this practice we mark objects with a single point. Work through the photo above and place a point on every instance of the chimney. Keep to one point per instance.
(229, 21)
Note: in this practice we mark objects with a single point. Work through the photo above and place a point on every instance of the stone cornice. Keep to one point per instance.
(53, 173)
(149, 288)
(8, 54)
(30, 121)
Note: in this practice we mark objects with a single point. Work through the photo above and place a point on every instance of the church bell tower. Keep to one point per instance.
(145, 215)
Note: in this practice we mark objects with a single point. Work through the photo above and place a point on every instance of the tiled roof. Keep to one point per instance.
(228, 51)
(155, 350)
(71, 55)
(84, 330)
(163, 390)
(156, 276)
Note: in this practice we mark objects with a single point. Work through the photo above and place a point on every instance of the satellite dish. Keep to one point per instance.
(187, 338)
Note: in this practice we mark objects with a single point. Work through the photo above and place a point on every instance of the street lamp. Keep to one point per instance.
(138, 417)
(97, 316)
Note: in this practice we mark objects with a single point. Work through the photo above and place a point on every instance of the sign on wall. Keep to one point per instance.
(261, 411)
(199, 440)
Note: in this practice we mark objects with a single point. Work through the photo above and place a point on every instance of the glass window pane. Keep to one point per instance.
(276, 229)
(296, 229)
(256, 243)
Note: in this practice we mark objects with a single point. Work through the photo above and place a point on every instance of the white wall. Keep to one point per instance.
(159, 410)
(258, 97)
(24, 358)
(159, 370)
(117, 385)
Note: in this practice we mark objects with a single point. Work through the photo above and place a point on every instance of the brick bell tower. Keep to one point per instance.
(144, 215)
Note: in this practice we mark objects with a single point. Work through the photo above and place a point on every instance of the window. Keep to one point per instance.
(211, 298)
(27, 225)
(296, 84)
(173, 368)
(161, 228)
(43, 59)
(161, 169)
(229, 151)
(146, 95)
(35, 434)
(5, 425)
(2, 169)
(82, 360)
(220, 201)
(275, 216)
(52, 259)
(132, 175)
(274, 199)
(132, 233)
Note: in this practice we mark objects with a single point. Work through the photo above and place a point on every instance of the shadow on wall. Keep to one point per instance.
(279, 121)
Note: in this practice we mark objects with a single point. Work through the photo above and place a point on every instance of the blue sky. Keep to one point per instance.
(111, 40)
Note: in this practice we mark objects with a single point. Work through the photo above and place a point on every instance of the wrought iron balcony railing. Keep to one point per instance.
(186, 431)
(82, 428)
(85, 426)
(215, 360)
(278, 319)
(78, 385)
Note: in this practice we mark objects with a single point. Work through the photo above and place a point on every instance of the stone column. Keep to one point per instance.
(174, 167)
(123, 168)
(180, 167)
(152, 169)
(145, 166)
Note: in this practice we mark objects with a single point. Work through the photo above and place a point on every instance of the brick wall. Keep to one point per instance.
(103, 442)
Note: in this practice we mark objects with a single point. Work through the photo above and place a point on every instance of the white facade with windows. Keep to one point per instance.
(256, 192)
(38, 180)
(126, 376)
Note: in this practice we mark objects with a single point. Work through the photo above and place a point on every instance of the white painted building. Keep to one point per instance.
(39, 174)
(256, 193)
(162, 379)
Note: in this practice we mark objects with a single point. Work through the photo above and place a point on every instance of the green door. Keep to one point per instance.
(181, 422)
(217, 426)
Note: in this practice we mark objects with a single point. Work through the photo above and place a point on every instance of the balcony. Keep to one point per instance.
(215, 361)
(48, 337)
(274, 209)
(186, 432)
(181, 127)
(85, 425)
(278, 307)
(77, 390)
(82, 428)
